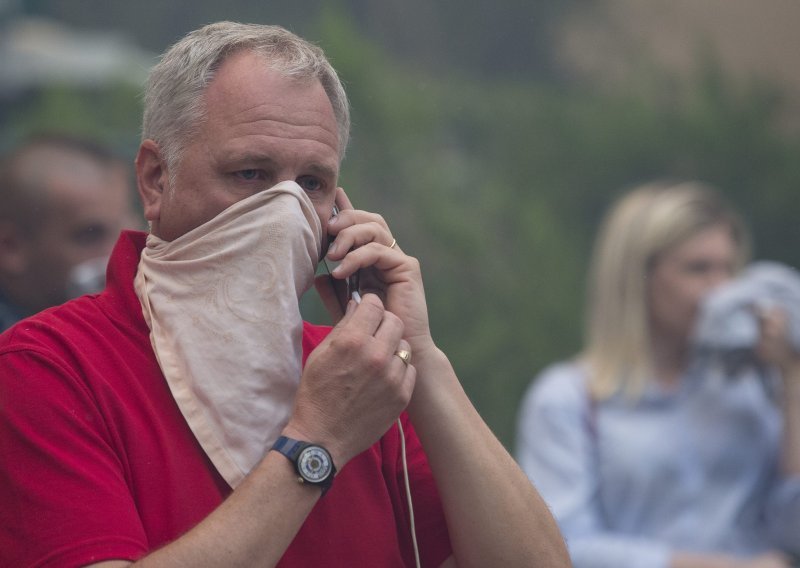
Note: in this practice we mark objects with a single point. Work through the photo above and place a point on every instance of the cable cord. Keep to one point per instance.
(357, 299)
(408, 493)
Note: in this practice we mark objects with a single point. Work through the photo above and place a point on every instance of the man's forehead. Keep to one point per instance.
(249, 101)
(248, 87)
(246, 75)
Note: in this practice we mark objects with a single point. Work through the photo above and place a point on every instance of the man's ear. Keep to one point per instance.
(13, 252)
(152, 178)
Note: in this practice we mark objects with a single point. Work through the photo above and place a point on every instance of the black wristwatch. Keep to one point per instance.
(312, 462)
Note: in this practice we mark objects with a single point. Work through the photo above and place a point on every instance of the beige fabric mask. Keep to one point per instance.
(221, 302)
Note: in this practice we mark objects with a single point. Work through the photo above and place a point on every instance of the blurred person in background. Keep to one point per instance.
(64, 202)
(649, 456)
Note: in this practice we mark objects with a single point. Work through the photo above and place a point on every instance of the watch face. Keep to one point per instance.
(314, 464)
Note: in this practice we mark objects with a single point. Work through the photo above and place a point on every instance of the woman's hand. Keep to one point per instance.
(774, 347)
(770, 559)
(767, 560)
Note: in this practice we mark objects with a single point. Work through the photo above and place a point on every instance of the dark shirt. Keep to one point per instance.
(9, 314)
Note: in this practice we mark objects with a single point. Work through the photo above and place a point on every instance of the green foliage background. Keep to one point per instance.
(498, 186)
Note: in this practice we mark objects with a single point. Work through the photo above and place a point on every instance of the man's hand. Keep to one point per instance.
(364, 242)
(354, 386)
(493, 512)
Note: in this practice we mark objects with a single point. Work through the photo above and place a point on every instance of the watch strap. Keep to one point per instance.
(289, 447)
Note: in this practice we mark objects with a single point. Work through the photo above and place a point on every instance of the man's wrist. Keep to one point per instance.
(313, 463)
(331, 444)
(425, 352)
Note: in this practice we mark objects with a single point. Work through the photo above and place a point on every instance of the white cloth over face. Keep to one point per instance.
(222, 304)
(727, 328)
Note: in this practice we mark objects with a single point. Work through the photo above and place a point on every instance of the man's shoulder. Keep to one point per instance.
(77, 328)
(39, 329)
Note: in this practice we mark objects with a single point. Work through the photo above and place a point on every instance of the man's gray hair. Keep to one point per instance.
(174, 105)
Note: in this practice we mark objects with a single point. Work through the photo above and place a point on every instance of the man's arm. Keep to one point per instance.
(269, 501)
(494, 515)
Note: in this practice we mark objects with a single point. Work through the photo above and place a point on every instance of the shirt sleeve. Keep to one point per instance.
(556, 450)
(64, 500)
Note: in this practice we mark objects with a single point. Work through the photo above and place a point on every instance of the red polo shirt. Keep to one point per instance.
(97, 462)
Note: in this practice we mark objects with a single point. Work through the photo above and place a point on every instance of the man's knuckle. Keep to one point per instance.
(346, 343)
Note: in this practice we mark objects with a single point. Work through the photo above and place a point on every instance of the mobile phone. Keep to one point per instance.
(354, 280)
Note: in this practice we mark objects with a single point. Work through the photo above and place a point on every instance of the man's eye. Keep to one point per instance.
(248, 175)
(309, 183)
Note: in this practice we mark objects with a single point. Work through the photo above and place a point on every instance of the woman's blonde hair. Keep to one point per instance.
(643, 224)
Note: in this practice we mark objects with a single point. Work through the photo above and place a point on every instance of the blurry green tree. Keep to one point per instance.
(109, 114)
(498, 187)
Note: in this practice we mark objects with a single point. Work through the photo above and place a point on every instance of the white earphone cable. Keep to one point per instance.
(357, 298)
(408, 493)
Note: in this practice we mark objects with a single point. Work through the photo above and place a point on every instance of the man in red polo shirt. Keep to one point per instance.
(136, 425)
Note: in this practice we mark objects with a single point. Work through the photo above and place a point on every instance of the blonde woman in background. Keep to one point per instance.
(645, 461)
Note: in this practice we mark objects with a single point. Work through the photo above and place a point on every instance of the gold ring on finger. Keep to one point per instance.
(404, 355)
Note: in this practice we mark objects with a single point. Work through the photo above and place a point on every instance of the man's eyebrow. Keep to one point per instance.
(249, 157)
(322, 170)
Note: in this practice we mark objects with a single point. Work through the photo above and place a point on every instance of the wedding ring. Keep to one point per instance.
(394, 244)
(404, 354)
